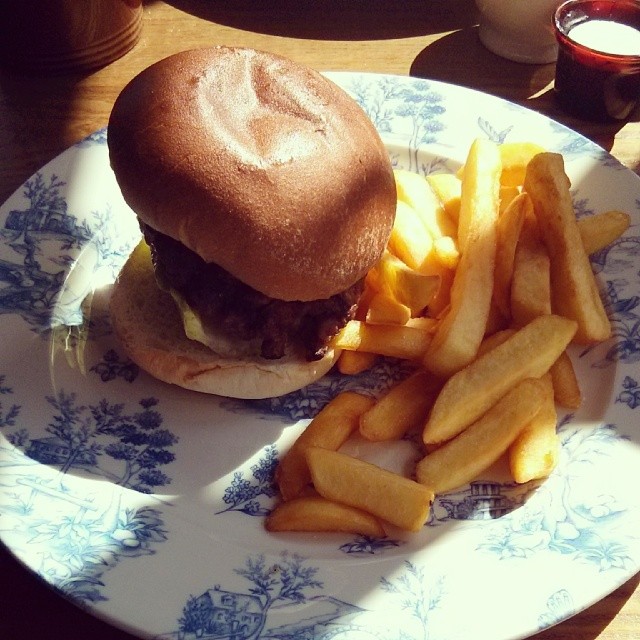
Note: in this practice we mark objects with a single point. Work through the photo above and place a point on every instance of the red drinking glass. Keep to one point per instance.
(598, 75)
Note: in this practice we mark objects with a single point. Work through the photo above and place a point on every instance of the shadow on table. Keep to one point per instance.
(459, 58)
(37, 114)
(336, 19)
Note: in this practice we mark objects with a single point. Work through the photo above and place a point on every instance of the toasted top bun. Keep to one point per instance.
(258, 164)
(149, 328)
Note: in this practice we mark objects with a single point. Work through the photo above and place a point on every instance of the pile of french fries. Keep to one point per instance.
(485, 283)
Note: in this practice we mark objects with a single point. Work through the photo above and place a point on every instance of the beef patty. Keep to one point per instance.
(241, 313)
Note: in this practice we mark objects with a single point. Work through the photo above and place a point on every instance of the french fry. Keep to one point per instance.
(395, 341)
(479, 196)
(601, 229)
(423, 322)
(446, 251)
(515, 157)
(508, 232)
(507, 196)
(534, 453)
(485, 282)
(416, 191)
(409, 240)
(494, 340)
(351, 363)
(403, 407)
(408, 286)
(442, 297)
(566, 388)
(385, 309)
(372, 285)
(315, 513)
(458, 336)
(463, 458)
(447, 187)
(530, 284)
(384, 494)
(528, 353)
(329, 429)
(495, 321)
(573, 286)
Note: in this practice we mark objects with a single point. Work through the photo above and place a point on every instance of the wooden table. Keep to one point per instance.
(437, 39)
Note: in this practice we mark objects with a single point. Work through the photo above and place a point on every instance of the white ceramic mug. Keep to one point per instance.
(520, 30)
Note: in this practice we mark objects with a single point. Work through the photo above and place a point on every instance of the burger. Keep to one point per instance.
(264, 195)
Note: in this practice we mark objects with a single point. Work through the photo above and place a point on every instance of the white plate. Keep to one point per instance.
(144, 503)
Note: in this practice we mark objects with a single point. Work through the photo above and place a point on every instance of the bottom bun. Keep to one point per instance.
(149, 327)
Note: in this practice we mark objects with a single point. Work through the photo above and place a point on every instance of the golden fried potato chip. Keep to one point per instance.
(351, 363)
(508, 232)
(315, 513)
(566, 388)
(515, 157)
(416, 191)
(458, 336)
(465, 396)
(384, 494)
(329, 429)
(447, 187)
(534, 453)
(463, 458)
(574, 289)
(531, 280)
(601, 229)
(403, 407)
(395, 341)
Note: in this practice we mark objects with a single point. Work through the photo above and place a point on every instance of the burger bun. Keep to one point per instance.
(257, 164)
(149, 327)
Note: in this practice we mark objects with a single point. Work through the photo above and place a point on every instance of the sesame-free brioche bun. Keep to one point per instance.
(148, 325)
(257, 164)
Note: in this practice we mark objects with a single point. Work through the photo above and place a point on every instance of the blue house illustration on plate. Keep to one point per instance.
(483, 500)
(326, 617)
(49, 218)
(223, 614)
(54, 450)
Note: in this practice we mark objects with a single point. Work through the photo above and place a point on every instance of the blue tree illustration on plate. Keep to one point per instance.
(44, 200)
(288, 580)
(196, 617)
(28, 289)
(98, 137)
(242, 494)
(111, 367)
(630, 394)
(368, 545)
(387, 100)
(44, 293)
(79, 432)
(79, 549)
(143, 446)
(558, 521)
(7, 416)
(416, 594)
(243, 616)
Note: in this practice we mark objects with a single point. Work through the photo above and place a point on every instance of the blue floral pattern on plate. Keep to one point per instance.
(115, 487)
